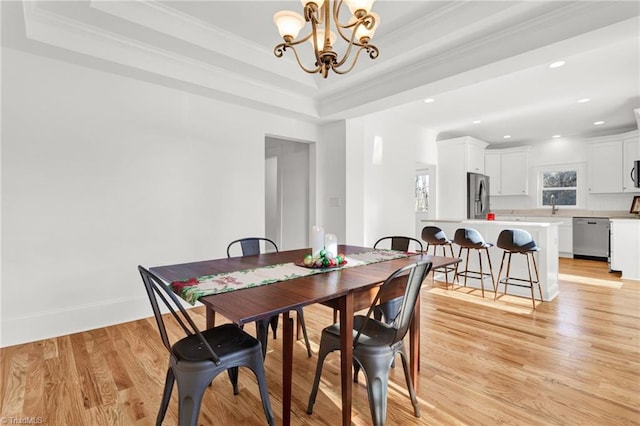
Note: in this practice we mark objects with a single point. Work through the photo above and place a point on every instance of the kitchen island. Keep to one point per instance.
(544, 233)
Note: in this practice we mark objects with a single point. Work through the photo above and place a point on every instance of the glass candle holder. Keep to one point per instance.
(317, 240)
(331, 245)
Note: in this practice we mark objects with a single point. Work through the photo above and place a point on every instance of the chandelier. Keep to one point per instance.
(357, 32)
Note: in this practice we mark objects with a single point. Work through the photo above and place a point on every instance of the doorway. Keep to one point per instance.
(425, 192)
(287, 192)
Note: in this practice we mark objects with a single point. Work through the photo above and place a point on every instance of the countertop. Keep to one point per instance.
(494, 222)
(563, 213)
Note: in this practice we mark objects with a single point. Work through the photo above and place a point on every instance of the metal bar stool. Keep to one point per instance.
(434, 236)
(518, 241)
(470, 239)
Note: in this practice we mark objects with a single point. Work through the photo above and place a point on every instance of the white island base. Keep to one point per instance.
(545, 236)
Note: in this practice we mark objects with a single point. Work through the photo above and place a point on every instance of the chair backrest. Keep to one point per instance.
(251, 245)
(468, 237)
(415, 274)
(399, 243)
(516, 240)
(434, 235)
(157, 290)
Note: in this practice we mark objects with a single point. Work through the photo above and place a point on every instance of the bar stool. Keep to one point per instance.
(470, 239)
(518, 241)
(436, 237)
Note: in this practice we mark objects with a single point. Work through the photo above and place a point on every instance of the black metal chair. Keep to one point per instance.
(518, 241)
(435, 237)
(250, 246)
(470, 239)
(376, 344)
(389, 309)
(193, 361)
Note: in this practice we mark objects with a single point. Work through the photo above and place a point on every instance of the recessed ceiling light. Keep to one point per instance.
(581, 101)
(477, 122)
(507, 136)
(597, 123)
(557, 64)
(428, 100)
(555, 136)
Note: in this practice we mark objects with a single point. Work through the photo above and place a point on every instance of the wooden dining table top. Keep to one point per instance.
(271, 299)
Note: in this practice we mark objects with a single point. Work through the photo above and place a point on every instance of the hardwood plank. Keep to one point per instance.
(575, 360)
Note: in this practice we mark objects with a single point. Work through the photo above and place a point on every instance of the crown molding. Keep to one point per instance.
(50, 28)
(162, 18)
(448, 64)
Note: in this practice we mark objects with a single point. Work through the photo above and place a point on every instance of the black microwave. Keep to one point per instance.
(635, 173)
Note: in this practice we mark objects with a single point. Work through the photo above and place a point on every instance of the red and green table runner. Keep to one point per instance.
(192, 289)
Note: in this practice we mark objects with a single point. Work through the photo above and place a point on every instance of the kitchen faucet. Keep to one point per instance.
(554, 209)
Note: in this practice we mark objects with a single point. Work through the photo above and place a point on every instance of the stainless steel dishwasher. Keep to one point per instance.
(591, 238)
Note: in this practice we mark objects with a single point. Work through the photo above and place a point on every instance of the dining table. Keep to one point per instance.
(347, 289)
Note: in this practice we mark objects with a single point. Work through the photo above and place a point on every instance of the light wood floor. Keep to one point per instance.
(574, 361)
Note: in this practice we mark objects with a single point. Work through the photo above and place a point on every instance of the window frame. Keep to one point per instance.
(579, 188)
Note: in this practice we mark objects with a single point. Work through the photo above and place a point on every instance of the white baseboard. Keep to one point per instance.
(45, 325)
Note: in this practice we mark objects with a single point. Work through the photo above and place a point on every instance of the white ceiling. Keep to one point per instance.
(479, 60)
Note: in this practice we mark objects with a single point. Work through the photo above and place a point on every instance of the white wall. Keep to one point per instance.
(382, 179)
(101, 173)
(557, 152)
(331, 179)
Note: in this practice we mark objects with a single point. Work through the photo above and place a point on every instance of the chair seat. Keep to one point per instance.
(374, 333)
(225, 339)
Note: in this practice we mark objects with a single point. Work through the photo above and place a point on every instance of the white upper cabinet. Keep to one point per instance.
(457, 157)
(493, 169)
(609, 163)
(475, 155)
(508, 170)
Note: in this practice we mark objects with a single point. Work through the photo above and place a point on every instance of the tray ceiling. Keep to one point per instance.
(479, 60)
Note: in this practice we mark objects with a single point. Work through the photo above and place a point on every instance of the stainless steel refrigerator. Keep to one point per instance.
(477, 196)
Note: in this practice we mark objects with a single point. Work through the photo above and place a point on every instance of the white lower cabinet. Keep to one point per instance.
(565, 238)
(625, 247)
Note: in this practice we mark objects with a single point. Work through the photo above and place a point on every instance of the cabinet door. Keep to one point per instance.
(515, 173)
(604, 165)
(475, 159)
(614, 246)
(492, 169)
(630, 153)
(565, 238)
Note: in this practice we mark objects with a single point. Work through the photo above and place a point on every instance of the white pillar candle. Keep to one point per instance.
(317, 240)
(331, 245)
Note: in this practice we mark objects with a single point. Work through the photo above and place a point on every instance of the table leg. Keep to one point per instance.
(346, 355)
(414, 344)
(211, 318)
(287, 367)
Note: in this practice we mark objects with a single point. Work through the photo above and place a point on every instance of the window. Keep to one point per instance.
(560, 187)
(422, 193)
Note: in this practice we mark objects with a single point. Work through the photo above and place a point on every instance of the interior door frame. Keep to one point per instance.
(275, 146)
